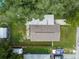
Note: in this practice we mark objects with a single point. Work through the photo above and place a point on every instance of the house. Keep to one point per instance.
(3, 32)
(69, 56)
(47, 56)
(36, 56)
(46, 30)
(17, 50)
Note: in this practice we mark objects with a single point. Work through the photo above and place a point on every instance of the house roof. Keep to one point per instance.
(36, 56)
(44, 32)
(69, 56)
(44, 28)
(47, 56)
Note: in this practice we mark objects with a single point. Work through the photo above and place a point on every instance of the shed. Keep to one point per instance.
(3, 32)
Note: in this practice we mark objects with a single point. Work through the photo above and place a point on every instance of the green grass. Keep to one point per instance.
(19, 32)
(29, 43)
(68, 38)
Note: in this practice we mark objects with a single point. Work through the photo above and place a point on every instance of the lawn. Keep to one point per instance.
(18, 31)
(68, 38)
(18, 36)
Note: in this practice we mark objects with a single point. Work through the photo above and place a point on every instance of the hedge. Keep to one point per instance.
(37, 50)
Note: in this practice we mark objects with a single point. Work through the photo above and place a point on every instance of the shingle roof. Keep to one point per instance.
(44, 28)
(44, 32)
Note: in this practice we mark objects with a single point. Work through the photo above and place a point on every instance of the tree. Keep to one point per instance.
(4, 49)
(38, 8)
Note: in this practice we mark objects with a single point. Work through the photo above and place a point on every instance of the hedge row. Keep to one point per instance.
(37, 50)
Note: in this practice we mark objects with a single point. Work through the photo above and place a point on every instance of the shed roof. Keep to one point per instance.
(3, 32)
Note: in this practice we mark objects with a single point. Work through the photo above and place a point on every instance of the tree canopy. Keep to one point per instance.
(28, 9)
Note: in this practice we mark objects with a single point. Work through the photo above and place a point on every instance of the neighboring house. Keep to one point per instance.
(46, 30)
(18, 50)
(47, 56)
(36, 56)
(3, 32)
(69, 56)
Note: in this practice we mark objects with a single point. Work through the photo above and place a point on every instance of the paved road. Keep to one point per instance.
(77, 43)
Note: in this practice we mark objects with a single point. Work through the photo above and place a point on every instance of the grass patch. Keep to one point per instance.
(68, 38)
(29, 43)
(17, 32)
